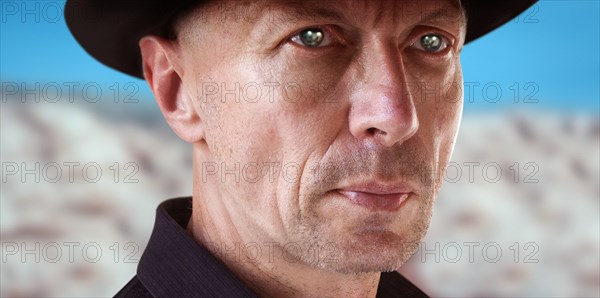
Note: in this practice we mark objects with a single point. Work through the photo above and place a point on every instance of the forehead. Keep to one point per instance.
(361, 10)
(360, 13)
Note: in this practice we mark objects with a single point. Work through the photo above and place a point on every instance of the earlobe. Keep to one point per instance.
(163, 73)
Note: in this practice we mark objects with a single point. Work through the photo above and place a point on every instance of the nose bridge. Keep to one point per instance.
(384, 66)
(383, 108)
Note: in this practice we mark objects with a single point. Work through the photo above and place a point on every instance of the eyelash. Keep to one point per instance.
(446, 39)
(331, 38)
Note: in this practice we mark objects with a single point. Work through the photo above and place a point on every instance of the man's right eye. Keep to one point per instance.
(312, 38)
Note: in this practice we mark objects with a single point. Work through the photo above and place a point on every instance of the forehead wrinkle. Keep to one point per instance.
(300, 13)
(434, 15)
(381, 11)
(377, 11)
(324, 12)
(371, 13)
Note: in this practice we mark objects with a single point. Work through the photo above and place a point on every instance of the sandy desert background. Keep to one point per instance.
(528, 230)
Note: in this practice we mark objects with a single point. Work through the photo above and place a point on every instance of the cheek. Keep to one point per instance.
(301, 112)
(450, 111)
(277, 116)
(439, 102)
(299, 106)
(239, 134)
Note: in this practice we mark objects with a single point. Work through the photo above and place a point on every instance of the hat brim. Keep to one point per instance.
(109, 30)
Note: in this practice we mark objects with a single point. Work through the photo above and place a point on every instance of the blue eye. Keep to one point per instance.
(431, 43)
(312, 38)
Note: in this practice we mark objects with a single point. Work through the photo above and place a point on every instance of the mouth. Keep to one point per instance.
(377, 197)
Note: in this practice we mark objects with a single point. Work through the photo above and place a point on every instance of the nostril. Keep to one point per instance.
(375, 131)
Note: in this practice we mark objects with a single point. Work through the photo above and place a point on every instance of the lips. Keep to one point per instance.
(377, 197)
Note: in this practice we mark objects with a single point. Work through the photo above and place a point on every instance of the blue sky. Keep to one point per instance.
(549, 54)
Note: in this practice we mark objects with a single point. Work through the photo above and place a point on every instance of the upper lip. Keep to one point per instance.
(380, 188)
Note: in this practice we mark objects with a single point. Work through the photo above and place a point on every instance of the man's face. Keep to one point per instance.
(328, 124)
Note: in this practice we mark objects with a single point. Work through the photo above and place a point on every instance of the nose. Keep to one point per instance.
(382, 107)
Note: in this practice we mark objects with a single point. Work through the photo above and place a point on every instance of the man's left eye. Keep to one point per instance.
(312, 38)
(432, 43)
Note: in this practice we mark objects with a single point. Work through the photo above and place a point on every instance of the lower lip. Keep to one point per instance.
(376, 202)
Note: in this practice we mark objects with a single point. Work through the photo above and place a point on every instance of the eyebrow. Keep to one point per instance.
(442, 13)
(327, 14)
(275, 17)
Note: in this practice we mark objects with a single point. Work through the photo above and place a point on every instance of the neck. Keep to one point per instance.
(259, 260)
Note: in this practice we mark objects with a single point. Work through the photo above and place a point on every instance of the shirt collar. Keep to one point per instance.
(175, 265)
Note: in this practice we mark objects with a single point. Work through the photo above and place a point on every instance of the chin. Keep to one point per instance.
(364, 252)
(361, 242)
(375, 251)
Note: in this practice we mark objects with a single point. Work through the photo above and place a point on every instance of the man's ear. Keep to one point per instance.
(164, 74)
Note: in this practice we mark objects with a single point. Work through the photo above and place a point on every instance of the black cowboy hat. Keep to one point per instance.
(109, 30)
